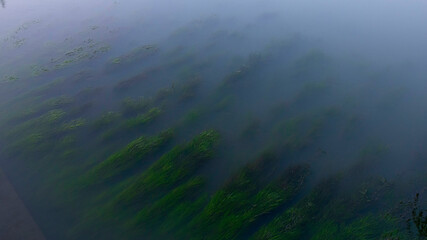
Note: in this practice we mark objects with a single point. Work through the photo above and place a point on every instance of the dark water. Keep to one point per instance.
(235, 102)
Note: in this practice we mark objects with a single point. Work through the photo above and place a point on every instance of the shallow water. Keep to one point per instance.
(337, 87)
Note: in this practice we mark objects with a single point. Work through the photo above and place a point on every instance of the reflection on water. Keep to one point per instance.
(3, 3)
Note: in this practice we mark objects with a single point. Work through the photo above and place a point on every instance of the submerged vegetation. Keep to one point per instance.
(173, 167)
(194, 138)
(126, 158)
(136, 55)
(244, 200)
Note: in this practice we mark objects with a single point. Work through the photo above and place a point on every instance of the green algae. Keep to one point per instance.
(173, 167)
(74, 124)
(291, 224)
(143, 119)
(14, 38)
(127, 84)
(9, 79)
(369, 227)
(165, 201)
(137, 54)
(38, 70)
(132, 124)
(132, 106)
(172, 211)
(128, 157)
(244, 200)
(43, 123)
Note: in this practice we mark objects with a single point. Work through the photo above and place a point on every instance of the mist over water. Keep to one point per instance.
(215, 119)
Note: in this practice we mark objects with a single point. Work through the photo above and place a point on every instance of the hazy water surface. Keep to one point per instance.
(336, 85)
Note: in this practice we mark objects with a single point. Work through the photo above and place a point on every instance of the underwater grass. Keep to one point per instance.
(131, 107)
(175, 166)
(105, 120)
(174, 210)
(130, 155)
(291, 224)
(135, 55)
(247, 197)
(144, 118)
(37, 135)
(132, 124)
(370, 227)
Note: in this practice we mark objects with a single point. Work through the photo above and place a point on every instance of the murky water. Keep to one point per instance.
(215, 119)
